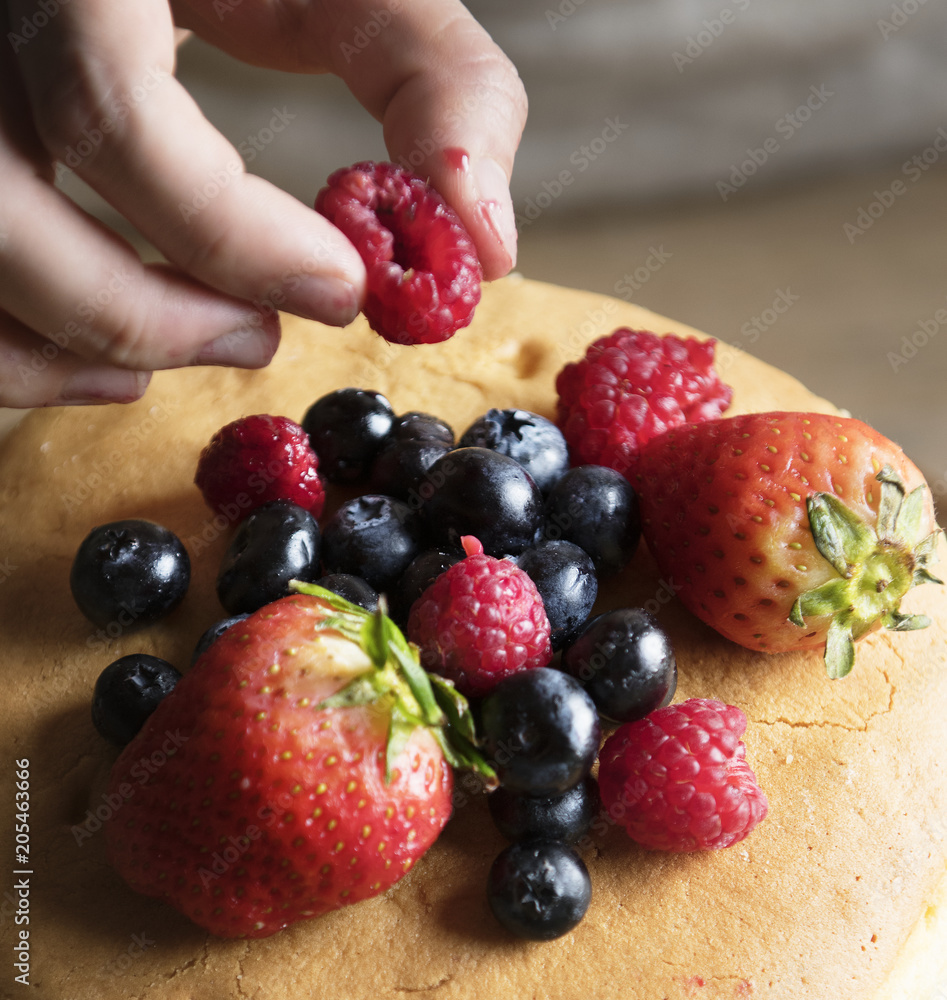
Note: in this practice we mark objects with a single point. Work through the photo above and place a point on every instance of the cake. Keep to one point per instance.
(840, 893)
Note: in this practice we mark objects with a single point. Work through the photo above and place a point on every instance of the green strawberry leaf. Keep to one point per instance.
(416, 699)
(842, 538)
(839, 650)
(876, 567)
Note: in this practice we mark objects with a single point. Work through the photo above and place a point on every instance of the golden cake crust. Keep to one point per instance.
(817, 902)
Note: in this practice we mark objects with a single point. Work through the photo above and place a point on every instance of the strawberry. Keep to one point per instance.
(303, 764)
(788, 530)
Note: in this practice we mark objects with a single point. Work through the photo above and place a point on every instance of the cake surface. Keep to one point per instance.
(838, 894)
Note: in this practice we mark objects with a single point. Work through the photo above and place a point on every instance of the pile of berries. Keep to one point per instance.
(487, 551)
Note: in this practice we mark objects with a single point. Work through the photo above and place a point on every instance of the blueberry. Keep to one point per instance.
(539, 889)
(417, 426)
(374, 537)
(597, 509)
(533, 441)
(565, 577)
(541, 731)
(402, 464)
(420, 574)
(560, 817)
(277, 542)
(346, 428)
(626, 664)
(476, 491)
(129, 572)
(127, 692)
(212, 634)
(352, 588)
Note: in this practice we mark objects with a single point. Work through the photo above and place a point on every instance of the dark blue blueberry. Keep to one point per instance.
(422, 572)
(476, 491)
(564, 575)
(533, 441)
(402, 464)
(539, 889)
(346, 429)
(417, 426)
(560, 817)
(597, 509)
(277, 542)
(626, 664)
(212, 634)
(352, 588)
(541, 731)
(131, 573)
(374, 537)
(127, 692)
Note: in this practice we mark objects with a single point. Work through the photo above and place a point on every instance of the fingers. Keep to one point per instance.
(38, 372)
(452, 104)
(99, 78)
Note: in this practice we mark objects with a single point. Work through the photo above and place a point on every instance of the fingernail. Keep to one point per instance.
(496, 205)
(328, 300)
(102, 384)
(251, 346)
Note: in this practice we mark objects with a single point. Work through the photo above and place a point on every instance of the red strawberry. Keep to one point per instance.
(304, 765)
(788, 530)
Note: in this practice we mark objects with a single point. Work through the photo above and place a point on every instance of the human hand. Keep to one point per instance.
(81, 318)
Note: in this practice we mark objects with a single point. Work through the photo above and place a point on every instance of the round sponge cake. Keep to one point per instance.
(838, 894)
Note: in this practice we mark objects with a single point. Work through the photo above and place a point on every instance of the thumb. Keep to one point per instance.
(453, 109)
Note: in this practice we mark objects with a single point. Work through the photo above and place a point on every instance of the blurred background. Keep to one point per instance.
(772, 173)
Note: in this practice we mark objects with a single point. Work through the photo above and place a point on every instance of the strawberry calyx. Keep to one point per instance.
(397, 681)
(877, 566)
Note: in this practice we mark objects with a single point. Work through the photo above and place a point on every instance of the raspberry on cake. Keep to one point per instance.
(423, 274)
(630, 387)
(679, 779)
(480, 621)
(256, 459)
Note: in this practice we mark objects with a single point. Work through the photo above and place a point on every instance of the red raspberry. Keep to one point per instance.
(631, 386)
(677, 779)
(257, 459)
(480, 621)
(423, 271)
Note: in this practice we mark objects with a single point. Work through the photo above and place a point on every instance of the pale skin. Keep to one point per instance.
(82, 319)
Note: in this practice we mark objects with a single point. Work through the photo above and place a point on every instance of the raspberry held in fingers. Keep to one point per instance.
(423, 273)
